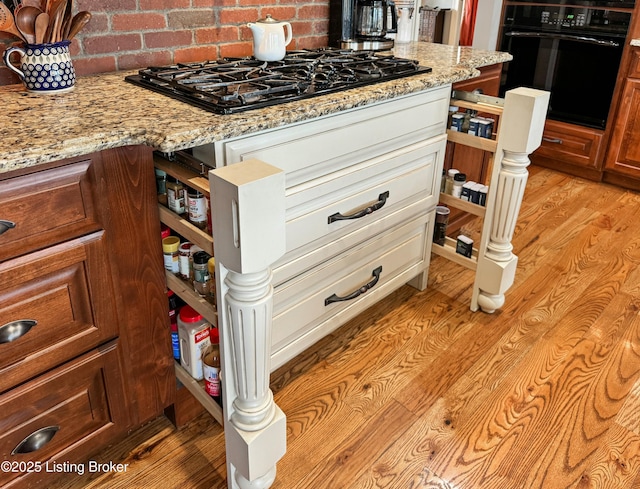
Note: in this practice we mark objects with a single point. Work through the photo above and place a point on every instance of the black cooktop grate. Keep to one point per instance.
(232, 85)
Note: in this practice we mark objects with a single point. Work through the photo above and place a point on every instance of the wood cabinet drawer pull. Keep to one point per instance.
(382, 200)
(15, 329)
(334, 298)
(36, 440)
(553, 140)
(6, 225)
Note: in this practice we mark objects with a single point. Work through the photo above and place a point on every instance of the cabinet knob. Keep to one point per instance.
(36, 440)
(15, 329)
(6, 225)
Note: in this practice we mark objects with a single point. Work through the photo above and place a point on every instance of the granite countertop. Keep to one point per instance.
(104, 111)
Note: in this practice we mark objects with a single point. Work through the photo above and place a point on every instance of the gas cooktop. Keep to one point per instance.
(232, 85)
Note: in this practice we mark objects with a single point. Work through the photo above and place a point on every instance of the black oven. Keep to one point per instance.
(572, 51)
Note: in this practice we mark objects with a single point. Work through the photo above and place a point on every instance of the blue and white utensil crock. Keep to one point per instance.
(44, 68)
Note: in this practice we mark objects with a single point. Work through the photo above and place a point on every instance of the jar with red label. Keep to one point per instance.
(197, 208)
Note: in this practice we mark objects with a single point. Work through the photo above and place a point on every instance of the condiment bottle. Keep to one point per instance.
(448, 184)
(458, 182)
(197, 208)
(193, 331)
(170, 251)
(184, 253)
(176, 196)
(211, 367)
(201, 277)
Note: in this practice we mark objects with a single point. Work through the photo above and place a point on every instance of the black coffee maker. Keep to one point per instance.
(362, 24)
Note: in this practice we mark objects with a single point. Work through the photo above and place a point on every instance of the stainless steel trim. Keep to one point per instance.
(564, 37)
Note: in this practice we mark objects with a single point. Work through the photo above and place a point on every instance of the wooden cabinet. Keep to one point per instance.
(622, 165)
(85, 353)
(574, 149)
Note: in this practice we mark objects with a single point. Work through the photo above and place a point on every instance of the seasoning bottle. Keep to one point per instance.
(193, 331)
(201, 277)
(173, 319)
(458, 182)
(211, 367)
(161, 186)
(176, 196)
(197, 208)
(184, 254)
(170, 251)
(211, 264)
(448, 184)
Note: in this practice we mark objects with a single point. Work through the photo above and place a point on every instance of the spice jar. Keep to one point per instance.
(201, 276)
(184, 253)
(197, 208)
(176, 196)
(448, 184)
(170, 251)
(458, 182)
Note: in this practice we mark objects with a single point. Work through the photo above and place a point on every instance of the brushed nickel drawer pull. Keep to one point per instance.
(36, 440)
(15, 329)
(553, 140)
(382, 200)
(334, 298)
(6, 225)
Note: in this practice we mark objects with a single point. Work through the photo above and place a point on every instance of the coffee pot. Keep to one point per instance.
(371, 19)
(269, 39)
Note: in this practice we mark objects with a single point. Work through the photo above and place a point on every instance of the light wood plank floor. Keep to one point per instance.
(419, 392)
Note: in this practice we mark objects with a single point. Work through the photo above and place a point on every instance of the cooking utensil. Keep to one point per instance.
(7, 24)
(66, 20)
(55, 19)
(42, 24)
(26, 22)
(78, 22)
(31, 3)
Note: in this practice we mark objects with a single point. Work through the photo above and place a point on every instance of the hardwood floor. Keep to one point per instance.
(419, 392)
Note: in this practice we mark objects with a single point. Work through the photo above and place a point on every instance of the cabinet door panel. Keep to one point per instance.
(83, 404)
(66, 290)
(624, 150)
(47, 207)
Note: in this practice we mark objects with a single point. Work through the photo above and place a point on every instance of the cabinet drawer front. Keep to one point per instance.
(46, 207)
(634, 69)
(301, 304)
(78, 400)
(569, 144)
(367, 192)
(66, 291)
(312, 149)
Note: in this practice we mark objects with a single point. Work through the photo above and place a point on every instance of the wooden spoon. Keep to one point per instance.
(77, 23)
(55, 19)
(42, 23)
(7, 24)
(66, 20)
(26, 22)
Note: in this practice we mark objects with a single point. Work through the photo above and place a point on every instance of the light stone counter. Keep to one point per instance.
(104, 111)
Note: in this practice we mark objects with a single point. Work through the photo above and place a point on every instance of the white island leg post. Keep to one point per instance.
(248, 217)
(521, 129)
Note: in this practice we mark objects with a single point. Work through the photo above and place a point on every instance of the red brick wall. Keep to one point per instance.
(128, 34)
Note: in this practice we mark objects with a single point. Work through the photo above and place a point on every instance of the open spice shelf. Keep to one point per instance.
(182, 288)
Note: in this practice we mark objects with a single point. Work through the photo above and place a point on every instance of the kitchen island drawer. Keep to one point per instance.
(54, 305)
(315, 303)
(311, 149)
(62, 416)
(356, 196)
(47, 207)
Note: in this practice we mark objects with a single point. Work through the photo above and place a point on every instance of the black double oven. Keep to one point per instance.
(571, 48)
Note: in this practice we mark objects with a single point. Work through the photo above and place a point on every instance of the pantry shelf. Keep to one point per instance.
(186, 175)
(186, 292)
(448, 251)
(472, 141)
(185, 229)
(196, 388)
(463, 205)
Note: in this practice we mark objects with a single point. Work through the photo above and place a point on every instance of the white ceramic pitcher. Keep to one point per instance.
(269, 40)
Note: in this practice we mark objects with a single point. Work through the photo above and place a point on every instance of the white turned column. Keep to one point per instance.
(248, 216)
(521, 131)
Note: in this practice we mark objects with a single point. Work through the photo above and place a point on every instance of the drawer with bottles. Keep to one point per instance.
(56, 303)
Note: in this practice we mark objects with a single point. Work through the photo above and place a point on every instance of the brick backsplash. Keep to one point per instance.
(130, 34)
